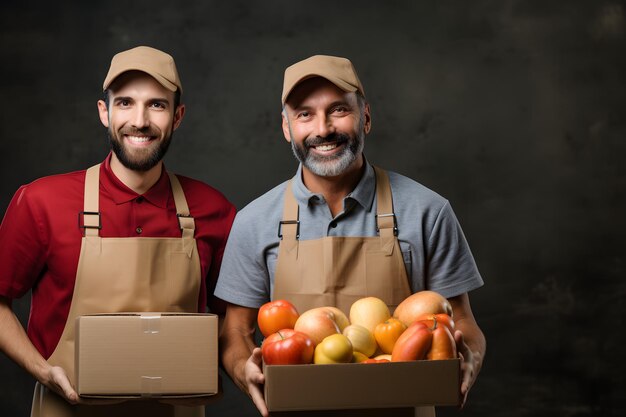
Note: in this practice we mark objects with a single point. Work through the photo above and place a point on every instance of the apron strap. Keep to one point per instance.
(89, 219)
(289, 226)
(185, 221)
(385, 218)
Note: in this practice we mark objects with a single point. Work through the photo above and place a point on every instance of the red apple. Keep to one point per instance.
(287, 347)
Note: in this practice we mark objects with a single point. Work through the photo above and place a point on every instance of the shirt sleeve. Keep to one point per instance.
(22, 246)
(244, 278)
(451, 269)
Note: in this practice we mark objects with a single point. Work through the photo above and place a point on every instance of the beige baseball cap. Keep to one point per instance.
(337, 70)
(156, 63)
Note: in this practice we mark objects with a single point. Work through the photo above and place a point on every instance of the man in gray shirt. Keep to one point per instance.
(347, 221)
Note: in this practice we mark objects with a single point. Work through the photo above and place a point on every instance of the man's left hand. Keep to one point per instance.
(468, 365)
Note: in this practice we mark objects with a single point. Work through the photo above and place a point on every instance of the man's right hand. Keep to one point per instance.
(255, 380)
(58, 382)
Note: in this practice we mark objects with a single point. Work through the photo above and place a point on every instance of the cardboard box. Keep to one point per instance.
(146, 354)
(361, 386)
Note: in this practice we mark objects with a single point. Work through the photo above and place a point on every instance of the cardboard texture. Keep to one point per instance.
(361, 386)
(146, 354)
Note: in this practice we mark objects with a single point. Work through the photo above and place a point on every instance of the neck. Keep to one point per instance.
(334, 189)
(138, 181)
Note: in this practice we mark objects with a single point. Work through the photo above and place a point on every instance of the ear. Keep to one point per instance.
(285, 126)
(367, 123)
(103, 112)
(178, 115)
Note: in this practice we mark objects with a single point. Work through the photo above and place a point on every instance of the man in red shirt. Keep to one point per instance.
(130, 197)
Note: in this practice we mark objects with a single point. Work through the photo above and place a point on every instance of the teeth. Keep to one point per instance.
(326, 147)
(139, 139)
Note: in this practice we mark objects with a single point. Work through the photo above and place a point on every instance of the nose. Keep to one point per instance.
(140, 118)
(325, 126)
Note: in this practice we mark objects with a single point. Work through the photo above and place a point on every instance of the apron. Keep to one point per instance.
(337, 271)
(125, 275)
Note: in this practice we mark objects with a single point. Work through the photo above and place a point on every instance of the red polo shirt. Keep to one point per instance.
(40, 239)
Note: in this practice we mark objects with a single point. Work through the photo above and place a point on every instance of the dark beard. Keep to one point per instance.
(142, 165)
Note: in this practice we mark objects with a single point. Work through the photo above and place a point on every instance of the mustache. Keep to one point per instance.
(147, 131)
(338, 138)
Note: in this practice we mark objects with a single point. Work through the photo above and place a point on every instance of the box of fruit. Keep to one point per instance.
(325, 359)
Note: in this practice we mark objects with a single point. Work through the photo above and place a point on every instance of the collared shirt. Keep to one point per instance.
(40, 239)
(435, 251)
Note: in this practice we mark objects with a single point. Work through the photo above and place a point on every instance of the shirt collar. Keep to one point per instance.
(363, 193)
(158, 194)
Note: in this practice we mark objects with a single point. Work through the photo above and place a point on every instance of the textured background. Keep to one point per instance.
(511, 109)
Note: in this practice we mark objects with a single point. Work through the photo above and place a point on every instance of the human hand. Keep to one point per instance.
(254, 380)
(56, 380)
(468, 365)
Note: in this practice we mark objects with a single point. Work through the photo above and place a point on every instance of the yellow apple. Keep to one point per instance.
(362, 339)
(335, 348)
(320, 322)
(368, 312)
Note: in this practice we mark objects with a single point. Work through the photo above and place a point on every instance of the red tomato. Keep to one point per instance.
(276, 315)
(287, 347)
(413, 344)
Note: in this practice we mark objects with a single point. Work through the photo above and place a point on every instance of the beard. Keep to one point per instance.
(139, 159)
(333, 165)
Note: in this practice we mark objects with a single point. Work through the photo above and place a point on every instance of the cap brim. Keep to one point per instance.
(138, 67)
(345, 86)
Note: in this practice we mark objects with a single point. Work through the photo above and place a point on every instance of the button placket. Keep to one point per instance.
(139, 200)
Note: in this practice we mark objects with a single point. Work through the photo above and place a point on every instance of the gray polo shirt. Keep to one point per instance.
(436, 254)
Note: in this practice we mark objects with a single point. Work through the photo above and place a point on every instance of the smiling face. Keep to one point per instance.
(326, 127)
(140, 118)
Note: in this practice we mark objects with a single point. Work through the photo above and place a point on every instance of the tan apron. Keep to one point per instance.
(336, 271)
(125, 275)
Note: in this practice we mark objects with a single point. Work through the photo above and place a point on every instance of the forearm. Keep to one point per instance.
(236, 345)
(17, 346)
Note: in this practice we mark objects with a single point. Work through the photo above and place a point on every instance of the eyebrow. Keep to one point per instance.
(151, 100)
(335, 103)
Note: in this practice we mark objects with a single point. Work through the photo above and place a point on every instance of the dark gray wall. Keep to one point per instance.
(512, 109)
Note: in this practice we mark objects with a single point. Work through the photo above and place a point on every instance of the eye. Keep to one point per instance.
(302, 114)
(340, 109)
(158, 105)
(123, 103)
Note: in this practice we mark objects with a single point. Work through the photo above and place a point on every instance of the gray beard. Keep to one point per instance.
(333, 165)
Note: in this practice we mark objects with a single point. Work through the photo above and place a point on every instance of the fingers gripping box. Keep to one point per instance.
(146, 354)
